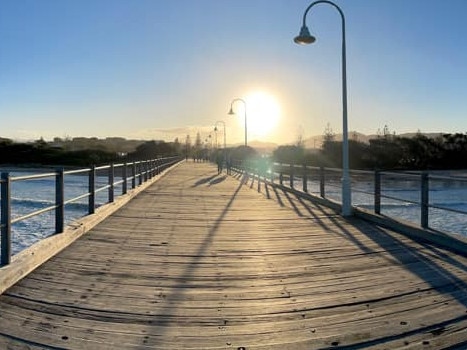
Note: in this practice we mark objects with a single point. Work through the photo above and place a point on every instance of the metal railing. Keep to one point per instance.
(130, 175)
(411, 196)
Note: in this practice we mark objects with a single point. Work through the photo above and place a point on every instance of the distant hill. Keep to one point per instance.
(263, 147)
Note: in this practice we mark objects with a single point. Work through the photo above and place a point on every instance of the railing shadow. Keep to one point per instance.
(317, 212)
(446, 281)
(430, 270)
(204, 180)
(217, 180)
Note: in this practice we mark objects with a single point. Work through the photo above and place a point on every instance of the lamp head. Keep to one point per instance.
(231, 112)
(215, 128)
(304, 37)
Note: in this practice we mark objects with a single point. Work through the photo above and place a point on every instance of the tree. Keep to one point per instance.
(385, 152)
(40, 143)
(198, 149)
(152, 149)
(329, 135)
(177, 146)
(187, 146)
(290, 154)
(332, 153)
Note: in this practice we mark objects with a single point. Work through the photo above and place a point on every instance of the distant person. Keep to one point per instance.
(229, 165)
(219, 160)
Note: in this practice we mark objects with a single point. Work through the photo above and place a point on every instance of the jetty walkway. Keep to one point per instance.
(201, 260)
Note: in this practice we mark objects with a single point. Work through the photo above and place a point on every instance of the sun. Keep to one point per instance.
(263, 113)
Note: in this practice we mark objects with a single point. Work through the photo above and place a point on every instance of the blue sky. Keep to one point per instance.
(160, 69)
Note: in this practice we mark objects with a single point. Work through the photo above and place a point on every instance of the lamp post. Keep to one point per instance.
(306, 38)
(215, 129)
(216, 144)
(231, 112)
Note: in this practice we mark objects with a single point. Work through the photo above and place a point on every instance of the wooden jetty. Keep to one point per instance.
(206, 261)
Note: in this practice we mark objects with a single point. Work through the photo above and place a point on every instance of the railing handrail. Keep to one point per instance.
(295, 172)
(396, 173)
(146, 169)
(32, 177)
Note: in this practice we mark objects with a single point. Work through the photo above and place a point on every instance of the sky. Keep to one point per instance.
(161, 69)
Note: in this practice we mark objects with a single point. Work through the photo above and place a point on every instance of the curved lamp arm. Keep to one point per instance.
(306, 38)
(231, 112)
(223, 124)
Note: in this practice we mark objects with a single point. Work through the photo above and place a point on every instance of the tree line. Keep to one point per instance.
(385, 152)
(42, 153)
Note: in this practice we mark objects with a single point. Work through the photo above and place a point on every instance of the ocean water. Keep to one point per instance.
(28, 196)
(404, 196)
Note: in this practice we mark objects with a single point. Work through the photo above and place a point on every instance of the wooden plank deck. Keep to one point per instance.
(205, 261)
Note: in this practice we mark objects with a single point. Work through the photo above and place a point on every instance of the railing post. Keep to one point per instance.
(124, 178)
(424, 199)
(150, 168)
(92, 190)
(305, 180)
(291, 176)
(5, 220)
(133, 175)
(377, 192)
(322, 179)
(281, 175)
(140, 172)
(59, 201)
(111, 183)
(145, 166)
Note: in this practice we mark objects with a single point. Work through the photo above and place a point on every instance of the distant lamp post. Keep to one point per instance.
(231, 112)
(306, 38)
(216, 129)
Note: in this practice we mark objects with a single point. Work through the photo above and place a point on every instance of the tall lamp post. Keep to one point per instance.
(306, 38)
(231, 112)
(215, 129)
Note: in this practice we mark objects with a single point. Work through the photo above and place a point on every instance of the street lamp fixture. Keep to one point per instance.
(216, 129)
(306, 38)
(231, 112)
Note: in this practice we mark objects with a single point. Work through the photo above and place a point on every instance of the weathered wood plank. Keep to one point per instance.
(202, 261)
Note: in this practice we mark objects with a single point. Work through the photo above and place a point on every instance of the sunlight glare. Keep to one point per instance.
(263, 113)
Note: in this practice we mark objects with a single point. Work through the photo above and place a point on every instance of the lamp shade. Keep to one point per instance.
(304, 37)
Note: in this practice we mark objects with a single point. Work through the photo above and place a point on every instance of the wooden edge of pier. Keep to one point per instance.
(32, 257)
(455, 243)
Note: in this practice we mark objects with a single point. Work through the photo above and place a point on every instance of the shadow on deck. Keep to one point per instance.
(201, 260)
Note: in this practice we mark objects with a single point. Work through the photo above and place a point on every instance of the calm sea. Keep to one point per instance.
(404, 196)
(28, 196)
